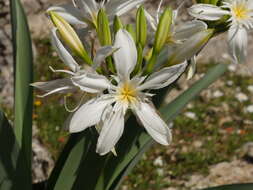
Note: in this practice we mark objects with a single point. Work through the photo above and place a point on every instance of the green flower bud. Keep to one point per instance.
(117, 25)
(141, 27)
(69, 36)
(163, 30)
(103, 30)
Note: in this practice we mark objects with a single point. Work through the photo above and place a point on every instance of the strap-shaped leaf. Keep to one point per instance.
(233, 187)
(23, 70)
(12, 163)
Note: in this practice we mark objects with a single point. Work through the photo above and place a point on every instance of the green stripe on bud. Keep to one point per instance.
(141, 27)
(103, 30)
(163, 30)
(130, 29)
(190, 47)
(117, 24)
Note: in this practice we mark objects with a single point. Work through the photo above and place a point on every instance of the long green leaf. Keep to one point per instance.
(169, 112)
(23, 70)
(12, 163)
(233, 187)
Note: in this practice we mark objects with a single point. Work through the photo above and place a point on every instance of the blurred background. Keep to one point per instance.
(213, 137)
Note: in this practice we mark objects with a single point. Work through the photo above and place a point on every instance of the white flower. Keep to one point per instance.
(249, 109)
(122, 93)
(85, 11)
(179, 32)
(241, 20)
(66, 84)
(241, 97)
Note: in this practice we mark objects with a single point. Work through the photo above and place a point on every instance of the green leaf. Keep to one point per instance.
(23, 70)
(233, 187)
(12, 163)
(171, 110)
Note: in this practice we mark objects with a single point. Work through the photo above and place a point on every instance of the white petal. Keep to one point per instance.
(88, 8)
(207, 12)
(55, 86)
(163, 77)
(152, 122)
(89, 114)
(91, 82)
(151, 20)
(111, 131)
(188, 29)
(69, 13)
(238, 41)
(63, 53)
(190, 47)
(101, 54)
(126, 57)
(120, 7)
(192, 68)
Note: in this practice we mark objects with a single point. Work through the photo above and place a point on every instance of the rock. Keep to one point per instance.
(246, 151)
(42, 163)
(237, 171)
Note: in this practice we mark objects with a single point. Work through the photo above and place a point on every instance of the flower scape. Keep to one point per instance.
(119, 67)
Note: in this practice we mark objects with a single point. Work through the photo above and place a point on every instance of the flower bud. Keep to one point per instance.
(104, 33)
(163, 30)
(141, 27)
(117, 25)
(69, 36)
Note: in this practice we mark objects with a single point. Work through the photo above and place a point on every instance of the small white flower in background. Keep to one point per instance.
(241, 97)
(190, 115)
(84, 12)
(121, 93)
(249, 109)
(218, 94)
(241, 20)
(158, 161)
(250, 88)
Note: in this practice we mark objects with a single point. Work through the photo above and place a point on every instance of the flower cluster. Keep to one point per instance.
(240, 19)
(121, 67)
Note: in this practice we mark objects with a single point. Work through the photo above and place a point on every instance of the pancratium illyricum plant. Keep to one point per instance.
(240, 19)
(128, 85)
(123, 72)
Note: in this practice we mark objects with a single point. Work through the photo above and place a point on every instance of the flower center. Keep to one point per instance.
(240, 11)
(127, 93)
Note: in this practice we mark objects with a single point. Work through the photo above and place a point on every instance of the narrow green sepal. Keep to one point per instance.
(103, 30)
(117, 24)
(141, 27)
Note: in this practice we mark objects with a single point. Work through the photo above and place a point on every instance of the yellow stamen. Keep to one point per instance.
(240, 11)
(127, 93)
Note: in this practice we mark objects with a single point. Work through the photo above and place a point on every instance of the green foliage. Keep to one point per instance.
(13, 166)
(23, 70)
